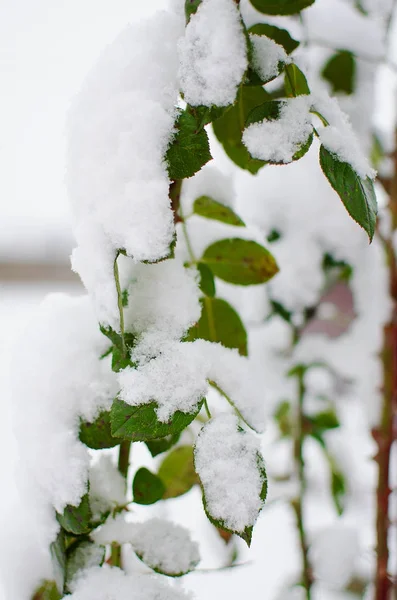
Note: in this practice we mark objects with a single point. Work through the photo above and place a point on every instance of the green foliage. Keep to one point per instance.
(239, 261)
(207, 282)
(189, 150)
(219, 322)
(230, 126)
(58, 560)
(47, 591)
(343, 270)
(280, 7)
(147, 487)
(283, 417)
(97, 435)
(340, 72)
(191, 7)
(280, 36)
(295, 83)
(177, 472)
(161, 445)
(211, 209)
(77, 519)
(357, 194)
(140, 423)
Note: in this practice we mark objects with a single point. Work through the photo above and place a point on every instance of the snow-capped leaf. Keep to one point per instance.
(189, 150)
(77, 519)
(239, 261)
(356, 193)
(83, 555)
(280, 36)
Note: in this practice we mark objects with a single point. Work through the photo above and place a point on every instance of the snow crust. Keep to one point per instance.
(107, 486)
(232, 493)
(279, 140)
(267, 55)
(120, 126)
(212, 54)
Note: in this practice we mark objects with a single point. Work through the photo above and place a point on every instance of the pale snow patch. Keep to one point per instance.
(175, 375)
(119, 128)
(278, 140)
(226, 461)
(267, 55)
(334, 551)
(63, 379)
(85, 556)
(107, 486)
(339, 137)
(161, 544)
(111, 583)
(212, 54)
(209, 181)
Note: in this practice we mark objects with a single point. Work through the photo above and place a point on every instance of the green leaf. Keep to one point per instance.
(280, 36)
(340, 72)
(219, 322)
(191, 7)
(230, 126)
(47, 591)
(357, 194)
(156, 447)
(119, 360)
(77, 519)
(280, 7)
(84, 554)
(206, 114)
(273, 236)
(238, 261)
(323, 421)
(280, 310)
(98, 435)
(211, 209)
(338, 488)
(189, 150)
(147, 487)
(116, 338)
(140, 423)
(58, 559)
(283, 418)
(207, 282)
(295, 82)
(177, 472)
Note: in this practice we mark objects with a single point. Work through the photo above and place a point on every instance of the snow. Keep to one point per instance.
(334, 552)
(120, 126)
(267, 55)
(162, 545)
(212, 54)
(110, 583)
(339, 137)
(226, 461)
(279, 140)
(107, 486)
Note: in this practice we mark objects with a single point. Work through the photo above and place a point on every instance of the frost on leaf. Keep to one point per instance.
(231, 470)
(278, 140)
(212, 54)
(110, 583)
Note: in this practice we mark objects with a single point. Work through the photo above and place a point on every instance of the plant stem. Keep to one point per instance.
(120, 303)
(115, 555)
(298, 503)
(124, 458)
(175, 197)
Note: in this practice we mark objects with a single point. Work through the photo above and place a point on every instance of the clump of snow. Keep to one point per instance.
(209, 181)
(267, 55)
(63, 380)
(111, 583)
(226, 461)
(85, 556)
(120, 127)
(162, 298)
(339, 137)
(278, 140)
(107, 486)
(177, 378)
(161, 544)
(212, 54)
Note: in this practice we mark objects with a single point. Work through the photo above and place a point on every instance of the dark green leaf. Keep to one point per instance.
(273, 236)
(338, 488)
(191, 7)
(219, 322)
(281, 311)
(189, 150)
(230, 126)
(340, 72)
(357, 194)
(98, 435)
(280, 7)
(47, 591)
(163, 444)
(238, 261)
(147, 487)
(211, 209)
(116, 339)
(280, 36)
(323, 421)
(120, 360)
(295, 83)
(207, 282)
(269, 110)
(58, 559)
(77, 519)
(140, 423)
(83, 555)
(177, 472)
(206, 114)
